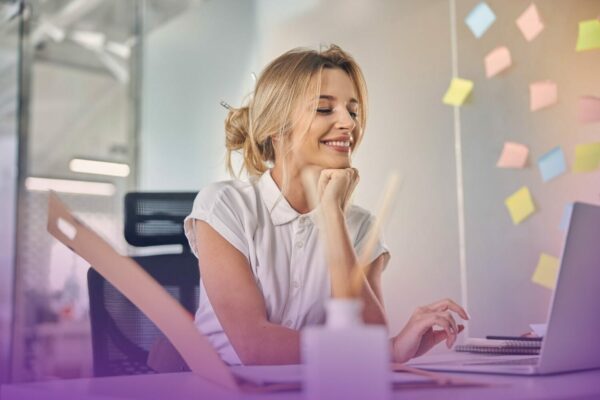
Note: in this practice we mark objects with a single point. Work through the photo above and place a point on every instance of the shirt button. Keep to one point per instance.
(295, 284)
(302, 220)
(299, 244)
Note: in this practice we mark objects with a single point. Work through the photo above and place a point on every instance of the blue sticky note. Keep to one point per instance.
(480, 19)
(566, 217)
(552, 164)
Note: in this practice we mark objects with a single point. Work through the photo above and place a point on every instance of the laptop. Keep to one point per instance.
(178, 324)
(572, 339)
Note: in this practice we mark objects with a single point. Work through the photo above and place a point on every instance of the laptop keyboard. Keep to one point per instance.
(518, 361)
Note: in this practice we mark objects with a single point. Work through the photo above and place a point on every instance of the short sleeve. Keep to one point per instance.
(220, 206)
(365, 222)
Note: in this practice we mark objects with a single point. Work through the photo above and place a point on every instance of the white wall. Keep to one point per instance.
(404, 48)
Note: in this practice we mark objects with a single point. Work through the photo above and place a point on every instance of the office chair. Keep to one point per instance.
(121, 334)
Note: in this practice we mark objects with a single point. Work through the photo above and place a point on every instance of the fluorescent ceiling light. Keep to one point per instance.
(90, 39)
(119, 49)
(69, 186)
(99, 167)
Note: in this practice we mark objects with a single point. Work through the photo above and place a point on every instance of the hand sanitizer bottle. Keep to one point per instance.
(346, 359)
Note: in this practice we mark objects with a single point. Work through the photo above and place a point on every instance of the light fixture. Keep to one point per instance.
(99, 167)
(69, 186)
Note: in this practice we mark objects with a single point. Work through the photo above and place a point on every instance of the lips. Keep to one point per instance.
(340, 144)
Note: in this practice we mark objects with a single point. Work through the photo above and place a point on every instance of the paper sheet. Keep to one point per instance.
(497, 61)
(514, 155)
(480, 19)
(587, 157)
(520, 205)
(589, 35)
(530, 23)
(542, 94)
(458, 92)
(546, 271)
(552, 164)
(588, 109)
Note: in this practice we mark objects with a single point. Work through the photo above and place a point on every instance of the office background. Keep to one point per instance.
(147, 94)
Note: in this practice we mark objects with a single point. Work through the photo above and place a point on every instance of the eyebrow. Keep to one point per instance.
(330, 97)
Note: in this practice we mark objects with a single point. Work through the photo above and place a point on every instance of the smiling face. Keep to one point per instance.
(334, 129)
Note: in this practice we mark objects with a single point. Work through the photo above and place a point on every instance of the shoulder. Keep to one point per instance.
(357, 217)
(233, 193)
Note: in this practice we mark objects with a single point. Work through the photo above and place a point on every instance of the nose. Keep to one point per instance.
(345, 121)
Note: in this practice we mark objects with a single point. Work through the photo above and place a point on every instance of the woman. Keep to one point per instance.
(264, 270)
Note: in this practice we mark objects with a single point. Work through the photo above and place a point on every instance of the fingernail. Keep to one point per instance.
(468, 315)
(452, 330)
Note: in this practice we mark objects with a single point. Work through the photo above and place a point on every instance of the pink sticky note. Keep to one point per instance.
(542, 94)
(530, 23)
(588, 109)
(497, 61)
(514, 155)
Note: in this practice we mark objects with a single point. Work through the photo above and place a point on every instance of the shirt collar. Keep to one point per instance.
(281, 211)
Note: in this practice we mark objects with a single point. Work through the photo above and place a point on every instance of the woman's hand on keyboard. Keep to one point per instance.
(418, 335)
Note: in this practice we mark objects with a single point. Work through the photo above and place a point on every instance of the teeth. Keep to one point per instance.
(338, 143)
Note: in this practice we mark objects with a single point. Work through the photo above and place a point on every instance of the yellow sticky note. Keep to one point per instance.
(546, 271)
(520, 205)
(589, 35)
(587, 157)
(458, 92)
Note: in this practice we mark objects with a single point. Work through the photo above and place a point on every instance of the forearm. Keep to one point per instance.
(269, 344)
(343, 260)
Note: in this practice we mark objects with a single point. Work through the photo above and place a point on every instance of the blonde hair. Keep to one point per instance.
(284, 84)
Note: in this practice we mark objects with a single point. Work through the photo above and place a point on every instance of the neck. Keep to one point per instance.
(292, 190)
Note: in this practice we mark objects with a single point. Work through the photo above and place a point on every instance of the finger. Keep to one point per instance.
(453, 324)
(324, 179)
(449, 304)
(431, 320)
(452, 328)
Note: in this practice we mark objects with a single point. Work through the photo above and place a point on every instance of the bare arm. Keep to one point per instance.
(342, 259)
(239, 305)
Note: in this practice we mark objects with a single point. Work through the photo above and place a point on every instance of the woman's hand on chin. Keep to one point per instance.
(418, 335)
(335, 187)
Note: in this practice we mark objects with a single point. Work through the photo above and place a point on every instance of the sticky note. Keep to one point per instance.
(514, 155)
(589, 35)
(480, 19)
(530, 23)
(520, 205)
(542, 94)
(546, 271)
(552, 164)
(587, 157)
(458, 91)
(566, 216)
(588, 109)
(497, 61)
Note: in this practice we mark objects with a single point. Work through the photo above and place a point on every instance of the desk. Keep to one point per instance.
(580, 385)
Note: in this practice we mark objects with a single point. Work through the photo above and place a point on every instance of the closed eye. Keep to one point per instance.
(324, 110)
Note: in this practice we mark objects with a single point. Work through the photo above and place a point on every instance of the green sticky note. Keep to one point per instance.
(587, 157)
(520, 205)
(458, 92)
(589, 35)
(546, 271)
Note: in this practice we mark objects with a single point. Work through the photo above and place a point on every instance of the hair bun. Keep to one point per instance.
(236, 128)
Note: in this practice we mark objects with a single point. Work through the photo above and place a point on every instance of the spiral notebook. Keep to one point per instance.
(495, 346)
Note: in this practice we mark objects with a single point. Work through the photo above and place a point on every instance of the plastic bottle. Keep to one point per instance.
(346, 359)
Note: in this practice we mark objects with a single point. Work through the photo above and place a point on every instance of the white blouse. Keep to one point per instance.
(282, 247)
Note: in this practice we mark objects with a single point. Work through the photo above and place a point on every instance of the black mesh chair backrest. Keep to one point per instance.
(121, 334)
